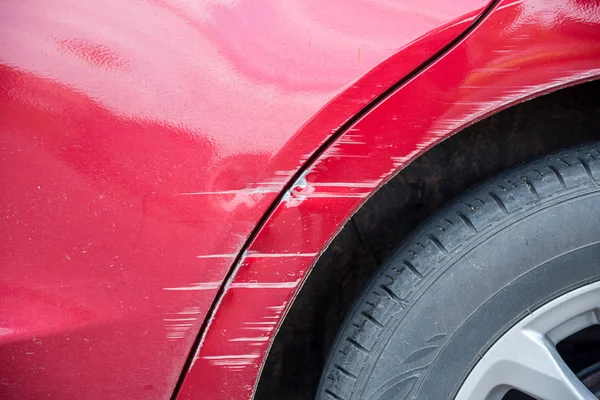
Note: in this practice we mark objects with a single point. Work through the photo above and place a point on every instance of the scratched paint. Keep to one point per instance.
(177, 324)
(217, 256)
(197, 286)
(251, 254)
(523, 49)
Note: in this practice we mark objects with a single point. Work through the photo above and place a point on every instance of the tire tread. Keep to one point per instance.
(446, 233)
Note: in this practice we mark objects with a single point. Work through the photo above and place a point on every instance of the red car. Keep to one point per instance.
(358, 199)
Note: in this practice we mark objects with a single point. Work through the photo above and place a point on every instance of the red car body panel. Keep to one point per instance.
(143, 142)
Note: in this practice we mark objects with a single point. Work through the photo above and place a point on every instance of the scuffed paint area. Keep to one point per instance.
(179, 323)
(499, 64)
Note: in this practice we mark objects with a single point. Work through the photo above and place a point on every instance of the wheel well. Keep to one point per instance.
(551, 122)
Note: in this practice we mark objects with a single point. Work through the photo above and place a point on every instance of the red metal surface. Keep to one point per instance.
(141, 142)
(523, 48)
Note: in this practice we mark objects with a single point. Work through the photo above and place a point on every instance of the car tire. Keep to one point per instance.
(465, 277)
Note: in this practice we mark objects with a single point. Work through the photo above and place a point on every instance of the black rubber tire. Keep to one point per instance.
(467, 275)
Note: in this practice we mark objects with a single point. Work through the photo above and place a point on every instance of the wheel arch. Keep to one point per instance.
(433, 179)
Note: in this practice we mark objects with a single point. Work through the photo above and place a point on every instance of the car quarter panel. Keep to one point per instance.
(521, 49)
(141, 143)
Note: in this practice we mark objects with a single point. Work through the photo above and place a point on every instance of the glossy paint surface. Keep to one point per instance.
(140, 144)
(522, 49)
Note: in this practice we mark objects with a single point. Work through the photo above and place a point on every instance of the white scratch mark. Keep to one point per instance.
(367, 184)
(189, 311)
(231, 363)
(246, 191)
(265, 285)
(173, 335)
(324, 195)
(346, 156)
(218, 256)
(349, 139)
(197, 286)
(278, 255)
(401, 161)
(177, 327)
(238, 285)
(260, 328)
(179, 319)
(233, 357)
(475, 109)
(6, 331)
(250, 339)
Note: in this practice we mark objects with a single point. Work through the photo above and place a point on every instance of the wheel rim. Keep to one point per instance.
(525, 358)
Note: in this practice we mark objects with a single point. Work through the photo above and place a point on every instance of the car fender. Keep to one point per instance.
(520, 50)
